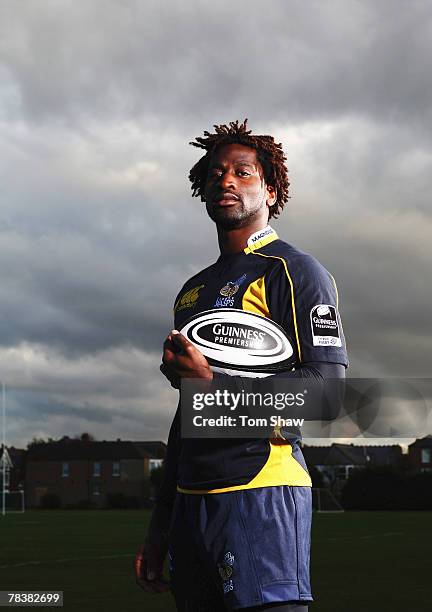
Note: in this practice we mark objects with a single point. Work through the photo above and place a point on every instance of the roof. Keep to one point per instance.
(315, 455)
(384, 455)
(347, 454)
(67, 449)
(425, 442)
(352, 454)
(16, 455)
(5, 459)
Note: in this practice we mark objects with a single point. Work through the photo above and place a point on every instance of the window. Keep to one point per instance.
(426, 455)
(344, 471)
(116, 468)
(155, 463)
(96, 468)
(96, 488)
(65, 469)
(5, 479)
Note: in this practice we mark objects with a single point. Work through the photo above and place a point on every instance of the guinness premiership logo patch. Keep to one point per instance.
(325, 326)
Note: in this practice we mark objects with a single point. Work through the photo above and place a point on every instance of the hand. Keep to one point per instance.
(181, 359)
(148, 565)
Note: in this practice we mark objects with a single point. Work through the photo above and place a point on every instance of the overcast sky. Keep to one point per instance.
(98, 231)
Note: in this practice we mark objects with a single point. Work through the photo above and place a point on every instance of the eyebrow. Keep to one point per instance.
(237, 162)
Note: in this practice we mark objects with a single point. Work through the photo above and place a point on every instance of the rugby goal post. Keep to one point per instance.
(13, 502)
(323, 500)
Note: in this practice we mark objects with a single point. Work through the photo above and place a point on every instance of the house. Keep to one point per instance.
(14, 459)
(335, 462)
(420, 454)
(85, 472)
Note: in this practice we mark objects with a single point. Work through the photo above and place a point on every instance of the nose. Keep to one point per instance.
(227, 180)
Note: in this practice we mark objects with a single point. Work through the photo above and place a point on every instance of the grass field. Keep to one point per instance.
(361, 562)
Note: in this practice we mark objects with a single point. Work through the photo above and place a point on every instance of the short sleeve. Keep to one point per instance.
(319, 323)
(304, 300)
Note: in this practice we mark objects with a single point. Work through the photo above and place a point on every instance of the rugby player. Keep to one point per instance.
(236, 516)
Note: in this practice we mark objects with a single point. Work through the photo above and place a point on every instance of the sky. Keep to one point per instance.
(98, 229)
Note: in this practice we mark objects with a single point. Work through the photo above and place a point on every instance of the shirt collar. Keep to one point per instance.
(260, 239)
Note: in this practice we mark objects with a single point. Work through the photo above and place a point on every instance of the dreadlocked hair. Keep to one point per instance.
(269, 154)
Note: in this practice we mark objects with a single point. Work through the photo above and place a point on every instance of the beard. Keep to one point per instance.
(233, 217)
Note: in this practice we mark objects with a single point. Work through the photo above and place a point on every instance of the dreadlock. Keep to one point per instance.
(269, 154)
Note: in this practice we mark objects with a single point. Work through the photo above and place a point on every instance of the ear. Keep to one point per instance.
(271, 195)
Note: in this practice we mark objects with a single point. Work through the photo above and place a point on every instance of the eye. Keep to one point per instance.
(243, 173)
(215, 173)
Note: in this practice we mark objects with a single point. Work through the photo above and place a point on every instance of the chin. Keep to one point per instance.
(229, 222)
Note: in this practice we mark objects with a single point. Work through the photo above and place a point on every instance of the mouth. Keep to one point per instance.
(225, 199)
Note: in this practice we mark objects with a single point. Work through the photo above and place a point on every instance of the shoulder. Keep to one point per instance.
(190, 289)
(300, 267)
(196, 278)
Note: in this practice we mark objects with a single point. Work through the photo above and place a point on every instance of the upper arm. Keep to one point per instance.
(303, 299)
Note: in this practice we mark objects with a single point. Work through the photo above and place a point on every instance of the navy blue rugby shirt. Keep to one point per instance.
(278, 281)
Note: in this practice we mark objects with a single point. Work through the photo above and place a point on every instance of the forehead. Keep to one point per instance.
(234, 153)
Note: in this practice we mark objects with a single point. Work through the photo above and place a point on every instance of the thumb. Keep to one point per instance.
(180, 340)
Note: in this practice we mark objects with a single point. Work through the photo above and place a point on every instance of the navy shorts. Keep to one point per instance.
(241, 549)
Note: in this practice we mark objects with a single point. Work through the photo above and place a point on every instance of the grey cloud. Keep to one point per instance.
(98, 231)
(162, 62)
(117, 393)
(39, 415)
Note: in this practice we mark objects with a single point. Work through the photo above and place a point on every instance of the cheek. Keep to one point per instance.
(257, 191)
(209, 192)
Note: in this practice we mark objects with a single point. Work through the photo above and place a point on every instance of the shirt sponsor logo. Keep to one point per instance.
(239, 335)
(260, 235)
(228, 291)
(237, 338)
(188, 299)
(325, 326)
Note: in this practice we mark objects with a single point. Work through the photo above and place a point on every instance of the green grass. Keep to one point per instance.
(361, 562)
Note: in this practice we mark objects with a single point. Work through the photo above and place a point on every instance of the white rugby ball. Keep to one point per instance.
(240, 342)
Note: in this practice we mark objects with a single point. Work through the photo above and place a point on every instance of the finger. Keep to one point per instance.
(170, 355)
(154, 574)
(171, 345)
(139, 562)
(169, 350)
(159, 585)
(181, 341)
(148, 572)
(168, 343)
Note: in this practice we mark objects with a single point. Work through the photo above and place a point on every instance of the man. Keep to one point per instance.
(237, 514)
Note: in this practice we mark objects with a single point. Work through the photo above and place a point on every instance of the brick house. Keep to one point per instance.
(15, 461)
(335, 462)
(81, 472)
(420, 454)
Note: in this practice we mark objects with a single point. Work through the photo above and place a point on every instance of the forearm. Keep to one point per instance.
(326, 381)
(165, 497)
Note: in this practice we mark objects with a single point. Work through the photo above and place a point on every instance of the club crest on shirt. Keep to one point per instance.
(188, 299)
(226, 571)
(228, 292)
(229, 558)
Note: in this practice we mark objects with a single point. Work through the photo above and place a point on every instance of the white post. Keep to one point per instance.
(4, 450)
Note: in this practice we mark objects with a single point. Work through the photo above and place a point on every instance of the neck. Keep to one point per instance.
(235, 240)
